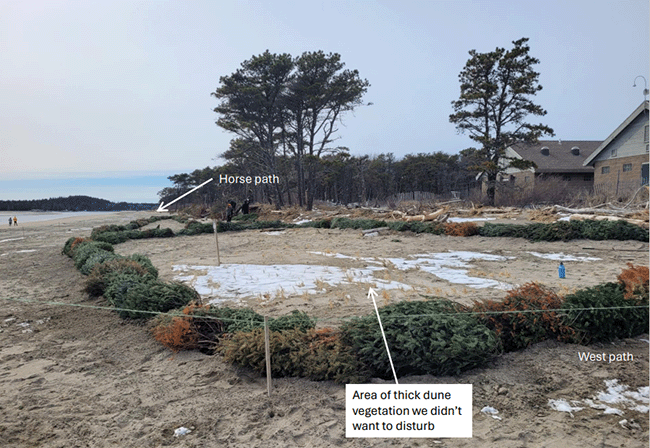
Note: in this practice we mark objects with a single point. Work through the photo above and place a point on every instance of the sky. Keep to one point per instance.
(107, 99)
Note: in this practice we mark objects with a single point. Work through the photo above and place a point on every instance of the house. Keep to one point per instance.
(563, 159)
(621, 162)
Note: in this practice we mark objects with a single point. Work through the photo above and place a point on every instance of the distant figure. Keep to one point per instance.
(15, 221)
(244, 207)
(561, 270)
(230, 210)
(10, 221)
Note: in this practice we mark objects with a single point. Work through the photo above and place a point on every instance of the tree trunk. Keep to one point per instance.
(491, 188)
(310, 188)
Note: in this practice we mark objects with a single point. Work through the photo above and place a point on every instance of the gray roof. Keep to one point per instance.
(560, 158)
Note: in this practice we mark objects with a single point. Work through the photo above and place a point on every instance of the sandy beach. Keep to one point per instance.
(78, 376)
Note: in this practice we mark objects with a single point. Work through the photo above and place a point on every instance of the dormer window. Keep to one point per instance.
(575, 151)
(545, 150)
(614, 152)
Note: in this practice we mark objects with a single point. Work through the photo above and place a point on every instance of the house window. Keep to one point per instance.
(614, 152)
(645, 134)
(627, 167)
(604, 170)
(588, 177)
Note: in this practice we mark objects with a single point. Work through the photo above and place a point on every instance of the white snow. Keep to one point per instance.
(25, 251)
(347, 257)
(562, 257)
(469, 219)
(491, 412)
(181, 431)
(563, 406)
(619, 393)
(450, 266)
(237, 281)
(615, 393)
(446, 266)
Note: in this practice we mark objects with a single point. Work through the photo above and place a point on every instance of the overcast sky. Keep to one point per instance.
(121, 89)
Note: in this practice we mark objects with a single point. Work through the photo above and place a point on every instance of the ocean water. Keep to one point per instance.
(41, 216)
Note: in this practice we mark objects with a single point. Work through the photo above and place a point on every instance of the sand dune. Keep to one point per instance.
(73, 376)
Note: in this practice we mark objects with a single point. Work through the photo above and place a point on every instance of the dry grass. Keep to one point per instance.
(635, 280)
(545, 215)
(177, 334)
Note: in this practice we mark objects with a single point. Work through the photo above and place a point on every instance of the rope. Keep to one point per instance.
(327, 319)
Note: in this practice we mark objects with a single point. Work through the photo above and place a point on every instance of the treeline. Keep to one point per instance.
(73, 204)
(339, 178)
(284, 113)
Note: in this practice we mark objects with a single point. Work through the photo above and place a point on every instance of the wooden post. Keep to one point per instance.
(216, 238)
(267, 346)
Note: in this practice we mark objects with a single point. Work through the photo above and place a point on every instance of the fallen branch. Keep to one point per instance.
(590, 211)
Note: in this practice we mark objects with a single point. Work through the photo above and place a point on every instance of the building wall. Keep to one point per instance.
(617, 179)
(632, 141)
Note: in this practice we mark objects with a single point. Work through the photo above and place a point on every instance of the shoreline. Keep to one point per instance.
(33, 219)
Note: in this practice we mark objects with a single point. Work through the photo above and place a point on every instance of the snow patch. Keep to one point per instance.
(563, 406)
(446, 266)
(618, 394)
(469, 219)
(450, 266)
(238, 281)
(562, 257)
(181, 431)
(491, 412)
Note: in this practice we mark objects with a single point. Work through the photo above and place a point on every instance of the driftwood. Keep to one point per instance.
(634, 197)
(497, 210)
(591, 210)
(438, 215)
(578, 217)
(414, 218)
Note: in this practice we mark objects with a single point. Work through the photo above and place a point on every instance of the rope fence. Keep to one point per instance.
(269, 381)
(318, 319)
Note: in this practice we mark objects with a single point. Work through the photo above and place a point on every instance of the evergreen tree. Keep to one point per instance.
(495, 99)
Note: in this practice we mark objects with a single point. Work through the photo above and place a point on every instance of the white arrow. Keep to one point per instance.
(371, 295)
(163, 208)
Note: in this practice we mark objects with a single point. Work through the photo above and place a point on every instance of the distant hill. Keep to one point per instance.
(74, 204)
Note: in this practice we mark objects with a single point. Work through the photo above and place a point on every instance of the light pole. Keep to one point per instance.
(645, 90)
